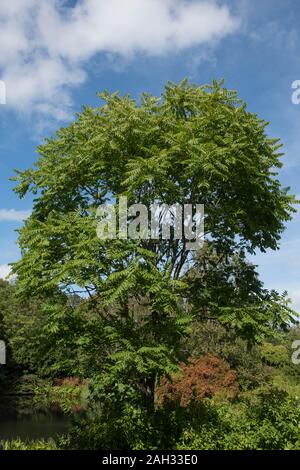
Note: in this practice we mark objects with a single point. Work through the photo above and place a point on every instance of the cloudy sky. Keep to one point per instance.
(55, 55)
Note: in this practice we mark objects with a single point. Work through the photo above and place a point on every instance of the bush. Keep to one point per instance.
(268, 422)
(274, 355)
(204, 377)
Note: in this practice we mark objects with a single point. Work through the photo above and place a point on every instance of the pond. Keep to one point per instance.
(19, 420)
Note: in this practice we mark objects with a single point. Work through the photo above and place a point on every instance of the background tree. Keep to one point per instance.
(225, 288)
(31, 328)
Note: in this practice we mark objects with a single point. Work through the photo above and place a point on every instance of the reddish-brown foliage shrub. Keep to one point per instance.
(66, 381)
(200, 378)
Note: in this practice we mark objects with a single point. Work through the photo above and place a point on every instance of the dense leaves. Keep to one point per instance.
(192, 145)
(200, 378)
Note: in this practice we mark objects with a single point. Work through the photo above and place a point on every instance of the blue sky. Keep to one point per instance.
(55, 55)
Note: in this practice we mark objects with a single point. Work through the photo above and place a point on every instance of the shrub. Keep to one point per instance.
(204, 377)
(274, 355)
(208, 337)
(268, 422)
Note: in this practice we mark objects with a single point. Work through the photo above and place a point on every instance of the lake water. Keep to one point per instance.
(28, 423)
(32, 428)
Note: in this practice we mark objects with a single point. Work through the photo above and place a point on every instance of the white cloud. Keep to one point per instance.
(13, 215)
(4, 271)
(295, 298)
(45, 45)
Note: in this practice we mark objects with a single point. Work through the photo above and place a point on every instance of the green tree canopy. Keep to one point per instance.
(192, 145)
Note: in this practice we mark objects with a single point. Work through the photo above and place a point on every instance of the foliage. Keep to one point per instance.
(226, 288)
(271, 422)
(268, 420)
(69, 395)
(209, 337)
(274, 354)
(40, 444)
(33, 332)
(199, 378)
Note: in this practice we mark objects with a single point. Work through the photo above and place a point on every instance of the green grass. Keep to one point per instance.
(40, 444)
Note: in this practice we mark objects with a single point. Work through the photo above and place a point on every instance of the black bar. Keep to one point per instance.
(139, 459)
